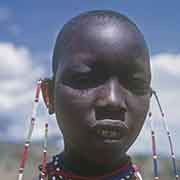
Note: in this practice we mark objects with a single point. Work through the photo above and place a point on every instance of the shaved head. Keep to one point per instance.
(103, 30)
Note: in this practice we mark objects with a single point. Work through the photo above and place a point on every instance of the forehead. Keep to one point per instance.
(112, 45)
(122, 58)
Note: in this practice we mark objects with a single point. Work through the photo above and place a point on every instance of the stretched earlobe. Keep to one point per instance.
(47, 88)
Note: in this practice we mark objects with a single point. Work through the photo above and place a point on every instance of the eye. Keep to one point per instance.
(140, 87)
(137, 86)
(84, 80)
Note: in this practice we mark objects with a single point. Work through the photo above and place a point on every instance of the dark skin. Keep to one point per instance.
(100, 91)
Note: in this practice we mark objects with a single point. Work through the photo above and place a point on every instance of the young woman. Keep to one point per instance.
(100, 93)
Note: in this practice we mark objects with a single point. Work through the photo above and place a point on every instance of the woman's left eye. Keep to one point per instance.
(140, 87)
(137, 86)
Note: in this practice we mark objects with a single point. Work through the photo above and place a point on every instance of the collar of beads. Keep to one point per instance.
(55, 172)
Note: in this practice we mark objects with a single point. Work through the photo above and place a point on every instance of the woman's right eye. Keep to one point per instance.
(81, 82)
(84, 81)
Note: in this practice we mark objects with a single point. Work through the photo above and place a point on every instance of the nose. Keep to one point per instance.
(112, 96)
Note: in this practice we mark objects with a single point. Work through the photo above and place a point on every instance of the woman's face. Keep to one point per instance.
(102, 95)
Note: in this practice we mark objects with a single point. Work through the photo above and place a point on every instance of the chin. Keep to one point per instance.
(106, 148)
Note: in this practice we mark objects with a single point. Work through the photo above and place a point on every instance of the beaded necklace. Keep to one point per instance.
(56, 171)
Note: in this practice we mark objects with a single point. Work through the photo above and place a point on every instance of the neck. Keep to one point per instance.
(77, 163)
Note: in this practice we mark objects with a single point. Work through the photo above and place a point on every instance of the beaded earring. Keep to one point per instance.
(40, 84)
(153, 138)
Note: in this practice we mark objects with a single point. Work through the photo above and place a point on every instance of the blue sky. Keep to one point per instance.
(39, 21)
(27, 34)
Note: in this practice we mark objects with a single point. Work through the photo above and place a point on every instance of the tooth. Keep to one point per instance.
(106, 132)
(103, 132)
(111, 133)
(114, 133)
(99, 131)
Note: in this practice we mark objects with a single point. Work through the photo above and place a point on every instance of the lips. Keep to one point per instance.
(110, 123)
(110, 129)
(110, 113)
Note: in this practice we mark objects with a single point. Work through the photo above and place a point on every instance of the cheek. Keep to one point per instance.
(138, 107)
(137, 111)
(73, 105)
(73, 110)
(73, 97)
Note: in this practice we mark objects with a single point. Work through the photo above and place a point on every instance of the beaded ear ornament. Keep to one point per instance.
(41, 84)
(153, 139)
(42, 87)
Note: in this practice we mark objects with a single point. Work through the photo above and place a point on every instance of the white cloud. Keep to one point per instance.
(17, 76)
(166, 80)
(169, 63)
(14, 61)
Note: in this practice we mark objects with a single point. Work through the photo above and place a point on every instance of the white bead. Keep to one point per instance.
(55, 163)
(60, 177)
(53, 178)
(57, 169)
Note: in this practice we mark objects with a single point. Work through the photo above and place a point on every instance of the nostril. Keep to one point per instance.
(110, 113)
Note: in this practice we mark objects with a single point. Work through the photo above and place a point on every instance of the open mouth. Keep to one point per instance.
(110, 124)
(110, 129)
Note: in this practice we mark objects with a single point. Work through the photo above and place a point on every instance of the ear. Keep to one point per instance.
(47, 87)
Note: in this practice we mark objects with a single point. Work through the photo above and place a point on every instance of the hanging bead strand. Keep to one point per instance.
(44, 159)
(28, 139)
(169, 137)
(154, 151)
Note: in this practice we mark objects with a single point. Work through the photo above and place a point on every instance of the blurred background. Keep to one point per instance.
(28, 30)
